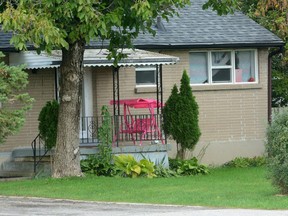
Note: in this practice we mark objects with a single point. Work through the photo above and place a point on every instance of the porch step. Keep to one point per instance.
(16, 169)
(20, 163)
(15, 174)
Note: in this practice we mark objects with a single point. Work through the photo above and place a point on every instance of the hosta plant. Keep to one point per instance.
(130, 167)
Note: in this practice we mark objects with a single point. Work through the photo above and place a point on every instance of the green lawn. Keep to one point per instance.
(225, 187)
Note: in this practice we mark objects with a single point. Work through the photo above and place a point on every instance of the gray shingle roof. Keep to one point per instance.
(196, 28)
(204, 28)
(5, 41)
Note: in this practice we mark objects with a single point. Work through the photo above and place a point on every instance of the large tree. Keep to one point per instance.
(69, 25)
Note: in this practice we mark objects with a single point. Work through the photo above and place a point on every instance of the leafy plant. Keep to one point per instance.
(105, 137)
(277, 151)
(129, 167)
(162, 172)
(48, 120)
(94, 165)
(188, 167)
(101, 163)
(242, 162)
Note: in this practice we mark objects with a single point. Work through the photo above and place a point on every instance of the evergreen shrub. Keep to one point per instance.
(277, 151)
(48, 120)
(180, 115)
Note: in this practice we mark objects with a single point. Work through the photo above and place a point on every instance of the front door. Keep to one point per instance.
(86, 114)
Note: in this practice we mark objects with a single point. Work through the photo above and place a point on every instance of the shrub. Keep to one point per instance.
(105, 137)
(242, 162)
(129, 167)
(94, 165)
(48, 120)
(277, 151)
(180, 115)
(188, 167)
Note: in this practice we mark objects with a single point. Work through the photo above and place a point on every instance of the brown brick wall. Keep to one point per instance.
(41, 88)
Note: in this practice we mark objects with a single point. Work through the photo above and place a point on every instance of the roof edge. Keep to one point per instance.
(232, 45)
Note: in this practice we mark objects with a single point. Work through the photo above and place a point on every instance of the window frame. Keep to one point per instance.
(210, 67)
(146, 68)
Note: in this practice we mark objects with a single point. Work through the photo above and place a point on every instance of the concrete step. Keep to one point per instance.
(15, 165)
(14, 178)
(16, 169)
(20, 163)
(15, 174)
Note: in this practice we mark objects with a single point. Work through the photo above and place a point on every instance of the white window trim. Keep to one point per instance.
(146, 69)
(233, 77)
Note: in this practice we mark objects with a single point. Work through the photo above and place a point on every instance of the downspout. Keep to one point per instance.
(275, 52)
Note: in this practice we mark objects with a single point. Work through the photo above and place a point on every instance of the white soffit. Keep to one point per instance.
(92, 58)
(32, 60)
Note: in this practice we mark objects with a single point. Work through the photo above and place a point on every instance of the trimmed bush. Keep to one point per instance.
(277, 151)
(48, 120)
(181, 117)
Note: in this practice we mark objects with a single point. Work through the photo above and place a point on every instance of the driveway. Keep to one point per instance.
(12, 206)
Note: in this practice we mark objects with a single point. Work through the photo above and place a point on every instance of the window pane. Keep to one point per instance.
(198, 68)
(245, 66)
(221, 75)
(221, 58)
(145, 77)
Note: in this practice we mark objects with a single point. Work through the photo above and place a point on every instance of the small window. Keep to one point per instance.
(146, 76)
(221, 75)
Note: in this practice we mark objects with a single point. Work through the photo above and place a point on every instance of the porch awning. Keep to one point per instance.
(92, 58)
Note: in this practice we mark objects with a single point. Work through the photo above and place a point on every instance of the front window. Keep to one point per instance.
(146, 76)
(215, 67)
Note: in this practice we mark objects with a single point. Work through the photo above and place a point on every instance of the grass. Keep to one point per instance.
(225, 187)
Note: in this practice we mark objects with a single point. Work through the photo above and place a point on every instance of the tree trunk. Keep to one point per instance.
(66, 161)
(180, 152)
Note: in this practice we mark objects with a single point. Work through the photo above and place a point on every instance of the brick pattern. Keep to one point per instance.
(41, 88)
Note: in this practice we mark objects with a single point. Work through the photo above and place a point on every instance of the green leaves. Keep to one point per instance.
(188, 167)
(222, 7)
(180, 115)
(48, 120)
(277, 151)
(129, 167)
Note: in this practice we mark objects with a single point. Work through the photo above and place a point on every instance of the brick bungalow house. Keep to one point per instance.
(227, 59)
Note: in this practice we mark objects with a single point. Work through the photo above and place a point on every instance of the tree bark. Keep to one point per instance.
(66, 159)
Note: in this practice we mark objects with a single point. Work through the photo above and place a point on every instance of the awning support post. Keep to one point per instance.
(116, 107)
